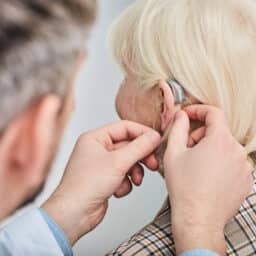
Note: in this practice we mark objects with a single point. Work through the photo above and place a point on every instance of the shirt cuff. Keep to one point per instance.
(58, 234)
(199, 252)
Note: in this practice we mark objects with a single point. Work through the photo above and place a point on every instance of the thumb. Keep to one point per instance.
(179, 134)
(136, 150)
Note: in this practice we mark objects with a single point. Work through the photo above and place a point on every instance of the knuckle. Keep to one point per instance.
(221, 117)
(125, 122)
(217, 111)
(83, 137)
(224, 140)
(210, 108)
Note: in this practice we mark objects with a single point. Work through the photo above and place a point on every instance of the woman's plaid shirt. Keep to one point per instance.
(156, 238)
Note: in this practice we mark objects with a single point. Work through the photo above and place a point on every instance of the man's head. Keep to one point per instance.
(42, 43)
(208, 46)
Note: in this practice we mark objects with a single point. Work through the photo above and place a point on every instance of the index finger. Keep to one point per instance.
(149, 161)
(211, 116)
(119, 132)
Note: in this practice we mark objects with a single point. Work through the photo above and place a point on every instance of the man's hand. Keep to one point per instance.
(208, 182)
(99, 168)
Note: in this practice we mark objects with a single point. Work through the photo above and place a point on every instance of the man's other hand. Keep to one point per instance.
(208, 177)
(104, 162)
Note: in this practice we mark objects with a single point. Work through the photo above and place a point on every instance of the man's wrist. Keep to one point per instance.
(189, 237)
(66, 216)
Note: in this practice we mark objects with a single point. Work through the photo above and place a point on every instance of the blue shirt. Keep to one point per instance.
(58, 234)
(28, 235)
(67, 251)
(36, 233)
(199, 252)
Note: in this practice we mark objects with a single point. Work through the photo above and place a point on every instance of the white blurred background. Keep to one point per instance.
(96, 89)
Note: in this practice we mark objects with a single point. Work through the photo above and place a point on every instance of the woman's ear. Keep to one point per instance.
(168, 108)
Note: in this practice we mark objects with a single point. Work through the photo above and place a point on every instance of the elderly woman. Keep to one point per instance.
(176, 53)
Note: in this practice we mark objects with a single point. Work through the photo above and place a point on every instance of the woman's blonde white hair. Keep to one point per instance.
(209, 46)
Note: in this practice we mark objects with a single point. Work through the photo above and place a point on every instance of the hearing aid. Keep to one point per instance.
(178, 91)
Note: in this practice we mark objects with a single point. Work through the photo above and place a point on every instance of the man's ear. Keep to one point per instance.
(27, 143)
(168, 108)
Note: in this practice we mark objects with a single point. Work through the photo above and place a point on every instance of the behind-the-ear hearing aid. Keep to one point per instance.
(178, 91)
